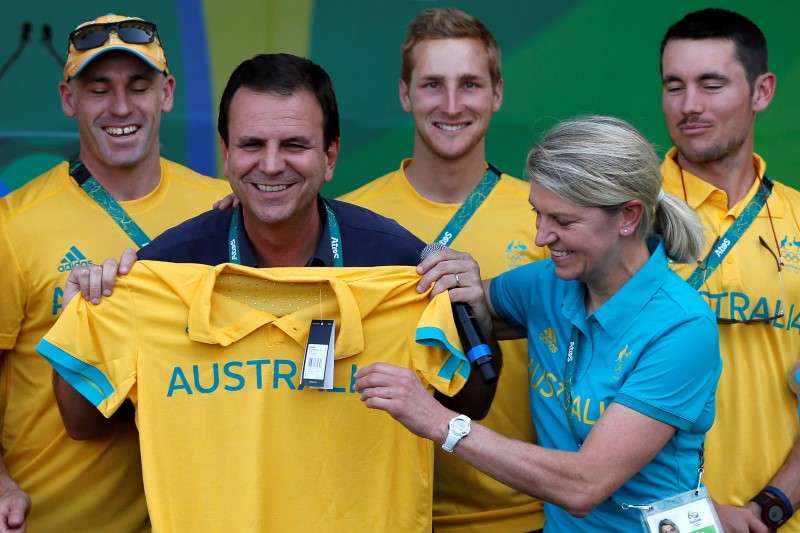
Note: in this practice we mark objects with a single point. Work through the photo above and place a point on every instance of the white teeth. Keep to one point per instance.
(125, 130)
(559, 253)
(270, 188)
(450, 127)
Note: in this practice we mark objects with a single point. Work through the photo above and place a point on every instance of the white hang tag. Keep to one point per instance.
(318, 360)
(688, 512)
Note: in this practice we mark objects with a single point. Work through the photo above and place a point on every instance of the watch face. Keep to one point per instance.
(459, 425)
(775, 513)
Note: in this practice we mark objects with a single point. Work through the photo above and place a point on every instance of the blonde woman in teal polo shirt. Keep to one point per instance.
(623, 354)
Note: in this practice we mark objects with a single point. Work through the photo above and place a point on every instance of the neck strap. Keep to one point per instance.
(725, 243)
(471, 204)
(103, 198)
(234, 246)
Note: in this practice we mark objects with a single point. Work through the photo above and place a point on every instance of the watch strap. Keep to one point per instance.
(770, 497)
(784, 499)
(454, 437)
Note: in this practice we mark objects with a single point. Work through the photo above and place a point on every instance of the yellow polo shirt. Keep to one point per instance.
(499, 236)
(47, 228)
(231, 441)
(757, 418)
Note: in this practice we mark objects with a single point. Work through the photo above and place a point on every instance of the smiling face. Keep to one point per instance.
(708, 103)
(451, 96)
(117, 101)
(275, 157)
(584, 242)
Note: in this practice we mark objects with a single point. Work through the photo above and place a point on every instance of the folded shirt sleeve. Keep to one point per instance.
(95, 348)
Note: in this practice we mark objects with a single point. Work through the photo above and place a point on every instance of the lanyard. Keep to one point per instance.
(103, 198)
(470, 205)
(569, 380)
(234, 249)
(726, 242)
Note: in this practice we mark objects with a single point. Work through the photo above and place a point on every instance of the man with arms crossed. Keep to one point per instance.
(715, 80)
(117, 193)
(451, 84)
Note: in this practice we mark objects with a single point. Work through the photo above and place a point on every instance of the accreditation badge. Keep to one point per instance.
(688, 512)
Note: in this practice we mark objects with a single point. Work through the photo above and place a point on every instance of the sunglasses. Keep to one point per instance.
(129, 31)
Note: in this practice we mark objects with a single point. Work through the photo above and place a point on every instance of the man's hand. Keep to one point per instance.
(745, 519)
(224, 203)
(96, 281)
(14, 508)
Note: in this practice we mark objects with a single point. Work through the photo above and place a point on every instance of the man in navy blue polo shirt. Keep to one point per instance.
(279, 130)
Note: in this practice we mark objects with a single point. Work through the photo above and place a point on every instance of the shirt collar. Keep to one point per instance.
(213, 320)
(323, 256)
(699, 191)
(617, 312)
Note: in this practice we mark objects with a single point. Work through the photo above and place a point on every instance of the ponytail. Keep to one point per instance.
(681, 229)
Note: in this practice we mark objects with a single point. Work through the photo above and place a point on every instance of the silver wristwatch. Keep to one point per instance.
(458, 428)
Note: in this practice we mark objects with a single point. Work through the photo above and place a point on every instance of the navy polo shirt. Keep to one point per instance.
(367, 239)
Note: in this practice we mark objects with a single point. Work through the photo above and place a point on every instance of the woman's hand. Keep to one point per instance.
(399, 392)
(458, 273)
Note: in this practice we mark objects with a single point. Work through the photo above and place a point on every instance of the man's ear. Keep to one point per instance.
(763, 91)
(223, 146)
(497, 95)
(168, 94)
(66, 96)
(405, 101)
(331, 156)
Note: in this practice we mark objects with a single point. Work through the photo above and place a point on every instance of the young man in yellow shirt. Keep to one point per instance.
(117, 193)
(451, 84)
(715, 81)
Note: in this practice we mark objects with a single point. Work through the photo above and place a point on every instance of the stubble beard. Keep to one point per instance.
(716, 152)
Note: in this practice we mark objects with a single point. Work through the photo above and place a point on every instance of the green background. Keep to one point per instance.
(560, 59)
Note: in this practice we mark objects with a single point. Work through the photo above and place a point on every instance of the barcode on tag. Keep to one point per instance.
(315, 361)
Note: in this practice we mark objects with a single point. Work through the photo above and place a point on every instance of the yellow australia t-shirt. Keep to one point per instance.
(757, 414)
(230, 438)
(47, 228)
(500, 236)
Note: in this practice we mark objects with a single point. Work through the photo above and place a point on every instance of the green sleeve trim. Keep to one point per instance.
(456, 362)
(85, 378)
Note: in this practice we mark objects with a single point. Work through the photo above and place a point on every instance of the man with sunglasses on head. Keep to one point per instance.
(715, 80)
(115, 194)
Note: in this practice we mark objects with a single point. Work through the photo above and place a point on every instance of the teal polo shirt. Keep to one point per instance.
(652, 347)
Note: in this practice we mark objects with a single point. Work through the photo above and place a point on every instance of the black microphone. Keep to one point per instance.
(477, 349)
(23, 41)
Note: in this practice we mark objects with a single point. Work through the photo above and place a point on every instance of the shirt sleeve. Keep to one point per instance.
(12, 292)
(438, 356)
(677, 375)
(512, 293)
(95, 348)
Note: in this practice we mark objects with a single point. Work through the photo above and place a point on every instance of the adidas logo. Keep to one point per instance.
(73, 258)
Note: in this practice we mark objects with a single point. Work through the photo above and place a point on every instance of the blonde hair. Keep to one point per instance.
(447, 23)
(598, 161)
